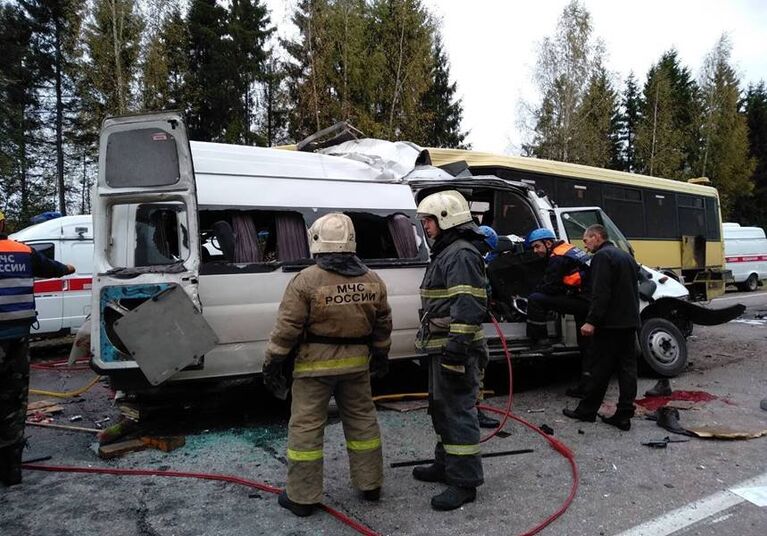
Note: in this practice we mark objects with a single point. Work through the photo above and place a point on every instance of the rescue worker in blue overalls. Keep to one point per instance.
(19, 265)
(563, 289)
(454, 305)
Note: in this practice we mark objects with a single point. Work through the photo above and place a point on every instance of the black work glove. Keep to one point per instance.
(379, 364)
(452, 365)
(453, 359)
(275, 379)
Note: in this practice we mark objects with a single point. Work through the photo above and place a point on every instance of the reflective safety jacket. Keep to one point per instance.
(17, 296)
(453, 301)
(334, 321)
(19, 265)
(566, 271)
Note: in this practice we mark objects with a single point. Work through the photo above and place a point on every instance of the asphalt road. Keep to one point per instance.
(623, 488)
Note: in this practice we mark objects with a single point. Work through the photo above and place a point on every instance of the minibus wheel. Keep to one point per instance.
(663, 346)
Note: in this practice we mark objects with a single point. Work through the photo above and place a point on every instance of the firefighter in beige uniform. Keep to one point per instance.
(336, 317)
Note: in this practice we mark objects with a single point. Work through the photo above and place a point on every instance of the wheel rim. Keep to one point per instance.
(663, 346)
(752, 282)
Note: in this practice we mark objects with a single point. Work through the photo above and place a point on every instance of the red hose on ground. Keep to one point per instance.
(359, 527)
(554, 443)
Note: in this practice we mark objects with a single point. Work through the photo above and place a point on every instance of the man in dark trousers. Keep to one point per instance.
(613, 321)
(454, 305)
(19, 265)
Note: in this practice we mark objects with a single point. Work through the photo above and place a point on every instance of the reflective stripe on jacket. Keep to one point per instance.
(453, 299)
(329, 305)
(574, 278)
(17, 297)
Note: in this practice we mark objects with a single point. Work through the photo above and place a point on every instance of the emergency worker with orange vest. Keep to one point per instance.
(335, 321)
(453, 307)
(19, 265)
(563, 289)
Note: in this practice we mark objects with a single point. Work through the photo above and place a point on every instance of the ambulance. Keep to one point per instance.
(745, 254)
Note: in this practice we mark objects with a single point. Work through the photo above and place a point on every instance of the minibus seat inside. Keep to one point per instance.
(225, 238)
(514, 275)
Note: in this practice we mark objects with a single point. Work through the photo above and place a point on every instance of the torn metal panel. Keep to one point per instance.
(165, 334)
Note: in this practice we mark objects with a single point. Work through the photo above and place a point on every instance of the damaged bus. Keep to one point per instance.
(195, 243)
(673, 226)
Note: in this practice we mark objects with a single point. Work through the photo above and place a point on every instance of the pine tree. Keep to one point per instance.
(442, 125)
(631, 105)
(667, 136)
(402, 33)
(55, 26)
(752, 210)
(108, 79)
(22, 192)
(725, 150)
(275, 104)
(248, 26)
(596, 122)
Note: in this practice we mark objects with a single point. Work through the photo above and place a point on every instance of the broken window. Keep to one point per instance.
(384, 237)
(160, 237)
(261, 238)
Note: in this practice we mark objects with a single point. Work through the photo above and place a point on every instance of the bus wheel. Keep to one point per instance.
(750, 284)
(664, 348)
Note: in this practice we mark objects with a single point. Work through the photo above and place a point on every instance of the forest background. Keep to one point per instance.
(379, 64)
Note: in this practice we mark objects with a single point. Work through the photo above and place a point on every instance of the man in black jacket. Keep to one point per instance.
(613, 321)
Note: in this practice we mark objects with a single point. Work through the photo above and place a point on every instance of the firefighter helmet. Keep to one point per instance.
(332, 233)
(449, 208)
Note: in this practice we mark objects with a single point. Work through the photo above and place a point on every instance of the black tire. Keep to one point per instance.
(663, 346)
(750, 284)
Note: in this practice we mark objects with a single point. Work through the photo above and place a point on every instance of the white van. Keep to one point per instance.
(191, 260)
(62, 304)
(745, 254)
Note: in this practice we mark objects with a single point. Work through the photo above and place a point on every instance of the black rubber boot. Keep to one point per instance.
(453, 497)
(622, 423)
(10, 464)
(301, 510)
(429, 473)
(486, 421)
(662, 388)
(371, 494)
(575, 414)
(763, 404)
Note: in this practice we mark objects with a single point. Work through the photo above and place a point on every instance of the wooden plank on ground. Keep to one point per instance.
(115, 450)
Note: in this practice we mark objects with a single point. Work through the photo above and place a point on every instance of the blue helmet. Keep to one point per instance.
(539, 234)
(491, 237)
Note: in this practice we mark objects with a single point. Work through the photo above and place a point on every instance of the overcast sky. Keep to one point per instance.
(493, 46)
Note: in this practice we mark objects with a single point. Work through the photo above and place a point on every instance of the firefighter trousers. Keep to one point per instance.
(308, 415)
(452, 400)
(14, 385)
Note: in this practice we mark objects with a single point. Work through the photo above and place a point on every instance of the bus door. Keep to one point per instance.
(146, 307)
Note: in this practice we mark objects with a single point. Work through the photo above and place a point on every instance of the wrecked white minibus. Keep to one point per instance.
(195, 244)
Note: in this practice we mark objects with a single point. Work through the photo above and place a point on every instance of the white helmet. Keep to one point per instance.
(449, 207)
(332, 233)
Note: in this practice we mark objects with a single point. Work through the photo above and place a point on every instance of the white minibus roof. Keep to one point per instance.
(234, 176)
(735, 230)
